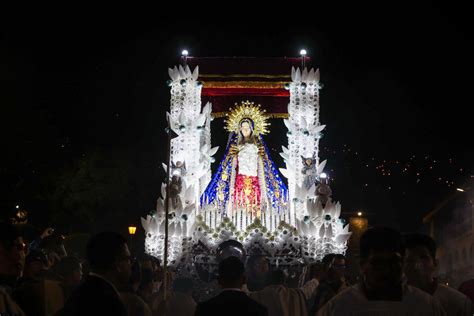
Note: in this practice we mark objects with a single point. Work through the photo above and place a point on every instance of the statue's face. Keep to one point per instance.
(245, 129)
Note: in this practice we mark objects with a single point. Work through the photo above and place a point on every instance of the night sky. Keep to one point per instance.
(396, 102)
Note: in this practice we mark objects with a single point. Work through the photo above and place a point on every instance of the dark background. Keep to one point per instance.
(83, 103)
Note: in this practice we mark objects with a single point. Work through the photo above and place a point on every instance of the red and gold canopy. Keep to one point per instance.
(230, 80)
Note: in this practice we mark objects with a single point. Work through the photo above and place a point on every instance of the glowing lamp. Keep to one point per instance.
(303, 52)
(359, 213)
(132, 230)
(185, 52)
(323, 175)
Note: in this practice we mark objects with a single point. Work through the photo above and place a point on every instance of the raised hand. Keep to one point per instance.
(47, 232)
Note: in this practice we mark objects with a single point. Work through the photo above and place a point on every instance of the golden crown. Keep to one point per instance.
(247, 110)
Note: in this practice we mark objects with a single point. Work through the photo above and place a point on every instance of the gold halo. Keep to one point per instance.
(247, 110)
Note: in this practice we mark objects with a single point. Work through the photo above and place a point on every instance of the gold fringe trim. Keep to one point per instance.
(245, 84)
(244, 76)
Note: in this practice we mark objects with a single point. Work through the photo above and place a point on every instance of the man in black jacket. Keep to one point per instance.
(231, 301)
(110, 265)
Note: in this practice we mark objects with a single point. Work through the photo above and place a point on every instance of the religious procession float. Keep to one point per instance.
(248, 205)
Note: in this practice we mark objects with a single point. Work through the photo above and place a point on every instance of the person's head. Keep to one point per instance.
(53, 243)
(335, 266)
(339, 266)
(230, 248)
(420, 258)
(146, 261)
(231, 273)
(36, 262)
(381, 258)
(12, 252)
(277, 277)
(69, 270)
(258, 266)
(108, 254)
(135, 274)
(328, 260)
(246, 128)
(159, 276)
(52, 257)
(155, 265)
(183, 285)
(146, 282)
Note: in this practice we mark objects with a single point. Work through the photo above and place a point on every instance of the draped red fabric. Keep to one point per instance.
(245, 91)
(230, 80)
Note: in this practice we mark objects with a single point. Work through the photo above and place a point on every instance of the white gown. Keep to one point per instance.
(248, 160)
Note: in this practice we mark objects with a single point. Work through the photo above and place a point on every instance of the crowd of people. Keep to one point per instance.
(398, 277)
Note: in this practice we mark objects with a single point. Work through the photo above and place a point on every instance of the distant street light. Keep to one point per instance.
(460, 190)
(359, 213)
(132, 230)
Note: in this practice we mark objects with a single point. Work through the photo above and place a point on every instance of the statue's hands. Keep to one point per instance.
(233, 150)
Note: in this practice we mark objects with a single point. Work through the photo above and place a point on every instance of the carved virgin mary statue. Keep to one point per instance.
(247, 178)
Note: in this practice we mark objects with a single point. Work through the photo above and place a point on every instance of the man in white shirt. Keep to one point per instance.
(332, 281)
(420, 268)
(281, 300)
(381, 291)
